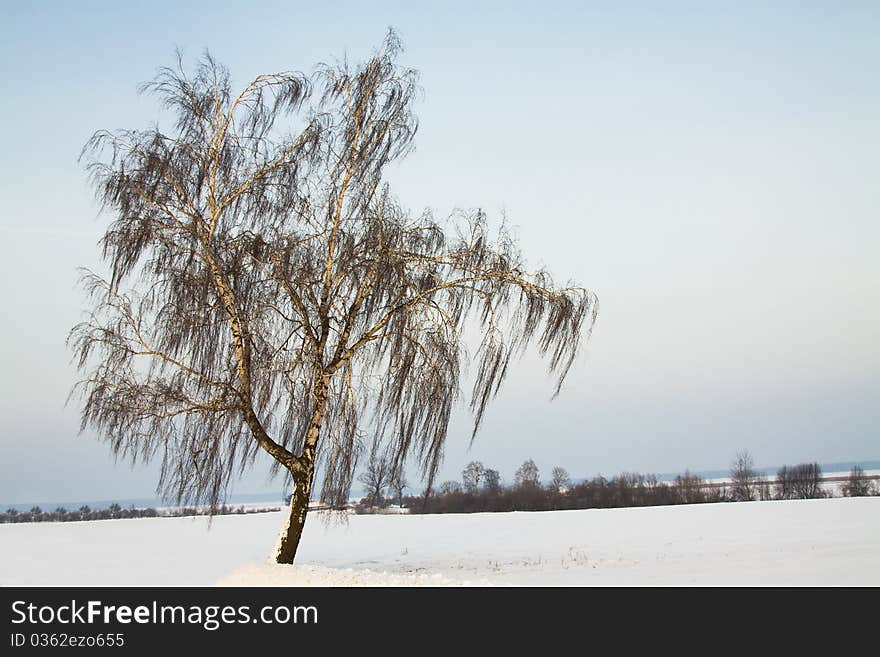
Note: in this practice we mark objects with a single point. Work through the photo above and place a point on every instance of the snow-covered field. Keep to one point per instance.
(810, 542)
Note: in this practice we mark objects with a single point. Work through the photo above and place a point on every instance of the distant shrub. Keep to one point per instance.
(116, 512)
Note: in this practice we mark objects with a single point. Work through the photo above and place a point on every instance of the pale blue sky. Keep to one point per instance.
(709, 169)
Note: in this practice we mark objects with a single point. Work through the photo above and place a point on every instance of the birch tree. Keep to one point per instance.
(267, 293)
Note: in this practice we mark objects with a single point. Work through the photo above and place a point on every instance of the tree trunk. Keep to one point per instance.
(303, 475)
(288, 539)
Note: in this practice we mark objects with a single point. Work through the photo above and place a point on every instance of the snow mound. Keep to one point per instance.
(273, 574)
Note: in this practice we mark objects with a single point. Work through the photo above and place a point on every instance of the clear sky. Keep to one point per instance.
(709, 169)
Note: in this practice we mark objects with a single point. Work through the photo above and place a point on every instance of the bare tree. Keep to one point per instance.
(743, 477)
(763, 488)
(377, 474)
(491, 480)
(527, 474)
(268, 293)
(560, 479)
(689, 488)
(799, 482)
(857, 485)
(807, 481)
(783, 485)
(450, 487)
(472, 475)
(399, 483)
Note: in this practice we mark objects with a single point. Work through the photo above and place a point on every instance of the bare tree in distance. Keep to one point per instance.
(527, 474)
(450, 487)
(783, 485)
(399, 483)
(559, 479)
(378, 473)
(807, 481)
(858, 484)
(763, 488)
(743, 477)
(799, 482)
(268, 294)
(689, 488)
(472, 475)
(491, 479)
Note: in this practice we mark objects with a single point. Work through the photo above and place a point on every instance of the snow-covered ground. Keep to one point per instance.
(809, 542)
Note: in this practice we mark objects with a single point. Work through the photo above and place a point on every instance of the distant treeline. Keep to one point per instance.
(481, 489)
(116, 512)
